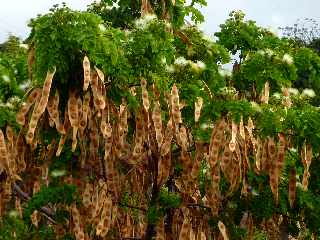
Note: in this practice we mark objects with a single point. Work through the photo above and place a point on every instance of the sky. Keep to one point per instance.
(14, 14)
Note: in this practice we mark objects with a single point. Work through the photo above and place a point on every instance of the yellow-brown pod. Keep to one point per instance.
(85, 111)
(160, 230)
(292, 187)
(223, 230)
(185, 229)
(86, 73)
(157, 121)
(175, 105)
(281, 152)
(40, 107)
(166, 145)
(21, 115)
(86, 197)
(198, 106)
(4, 164)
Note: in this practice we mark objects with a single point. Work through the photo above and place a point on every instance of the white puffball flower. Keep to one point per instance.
(102, 28)
(308, 93)
(58, 173)
(256, 107)
(224, 72)
(287, 59)
(201, 65)
(163, 60)
(273, 30)
(170, 68)
(277, 95)
(293, 91)
(143, 22)
(181, 61)
(22, 45)
(6, 78)
(269, 52)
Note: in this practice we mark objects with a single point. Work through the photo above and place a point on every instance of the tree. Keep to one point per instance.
(134, 130)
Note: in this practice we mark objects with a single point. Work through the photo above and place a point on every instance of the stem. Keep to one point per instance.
(47, 212)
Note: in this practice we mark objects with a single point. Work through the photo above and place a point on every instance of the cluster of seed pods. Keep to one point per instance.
(306, 156)
(97, 122)
(78, 228)
(40, 106)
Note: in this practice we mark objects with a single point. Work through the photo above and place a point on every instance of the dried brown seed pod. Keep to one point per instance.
(86, 73)
(198, 106)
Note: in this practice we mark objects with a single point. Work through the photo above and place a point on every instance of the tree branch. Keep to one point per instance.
(47, 212)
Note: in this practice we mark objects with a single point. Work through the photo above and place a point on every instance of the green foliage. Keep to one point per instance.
(14, 228)
(123, 13)
(169, 199)
(65, 194)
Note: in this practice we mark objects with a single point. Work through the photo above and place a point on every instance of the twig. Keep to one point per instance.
(133, 207)
(47, 212)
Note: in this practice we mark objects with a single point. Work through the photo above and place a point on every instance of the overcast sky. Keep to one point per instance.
(14, 14)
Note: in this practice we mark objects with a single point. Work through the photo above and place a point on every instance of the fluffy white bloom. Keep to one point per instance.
(308, 93)
(22, 45)
(143, 22)
(58, 173)
(224, 72)
(163, 60)
(273, 30)
(256, 107)
(14, 214)
(14, 99)
(269, 52)
(228, 90)
(181, 61)
(102, 27)
(247, 57)
(293, 91)
(6, 78)
(287, 59)
(170, 68)
(201, 65)
(25, 85)
(277, 95)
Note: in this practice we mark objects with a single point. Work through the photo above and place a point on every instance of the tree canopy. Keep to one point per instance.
(132, 127)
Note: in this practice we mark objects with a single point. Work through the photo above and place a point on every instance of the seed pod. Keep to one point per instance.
(281, 152)
(100, 74)
(86, 73)
(73, 113)
(40, 107)
(185, 229)
(223, 230)
(175, 105)
(86, 197)
(34, 95)
(265, 93)
(292, 187)
(160, 230)
(166, 145)
(105, 222)
(250, 127)
(198, 106)
(145, 95)
(232, 144)
(4, 164)
(35, 218)
(197, 160)
(85, 112)
(157, 121)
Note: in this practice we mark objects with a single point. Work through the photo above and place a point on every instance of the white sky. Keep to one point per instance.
(14, 14)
